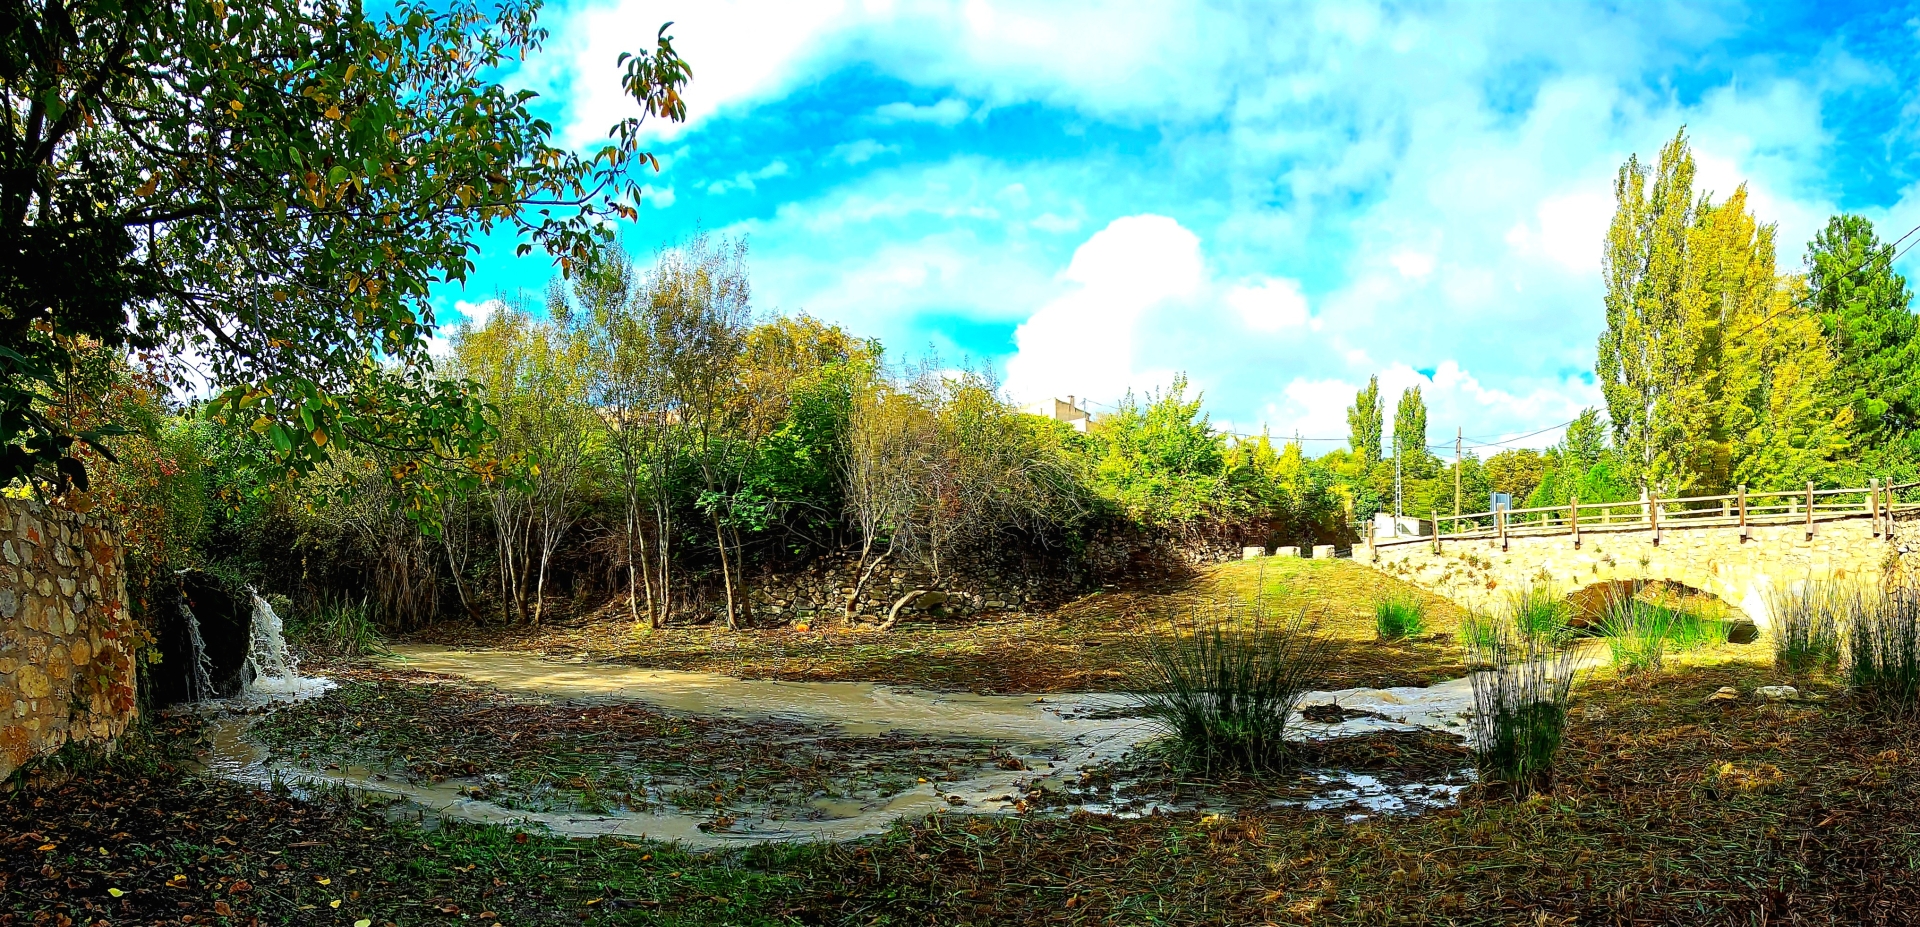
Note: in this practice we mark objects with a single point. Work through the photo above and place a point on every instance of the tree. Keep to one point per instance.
(1517, 471)
(273, 188)
(1864, 310)
(1366, 421)
(1646, 348)
(1410, 427)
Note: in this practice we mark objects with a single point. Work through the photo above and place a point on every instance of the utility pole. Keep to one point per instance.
(1457, 432)
(1397, 494)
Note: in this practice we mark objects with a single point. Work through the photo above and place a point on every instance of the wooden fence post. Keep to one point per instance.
(1809, 510)
(1873, 503)
(1573, 518)
(1743, 511)
(1653, 517)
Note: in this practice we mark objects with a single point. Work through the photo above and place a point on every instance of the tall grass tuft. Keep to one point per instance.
(341, 627)
(1639, 633)
(1224, 682)
(1540, 611)
(1399, 616)
(1521, 684)
(1883, 649)
(1806, 627)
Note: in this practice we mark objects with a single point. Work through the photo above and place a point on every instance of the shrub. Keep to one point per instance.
(1883, 649)
(1521, 683)
(1224, 683)
(1540, 611)
(1806, 627)
(1400, 616)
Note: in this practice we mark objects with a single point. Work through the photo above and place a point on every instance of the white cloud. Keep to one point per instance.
(860, 151)
(1083, 342)
(947, 112)
(744, 180)
(1270, 305)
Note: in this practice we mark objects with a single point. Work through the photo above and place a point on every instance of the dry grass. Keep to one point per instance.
(1092, 644)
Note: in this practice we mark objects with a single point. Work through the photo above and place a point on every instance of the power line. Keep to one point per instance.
(1801, 304)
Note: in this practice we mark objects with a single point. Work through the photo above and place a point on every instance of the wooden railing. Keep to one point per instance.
(1742, 509)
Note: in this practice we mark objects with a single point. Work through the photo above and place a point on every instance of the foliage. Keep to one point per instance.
(1366, 422)
(1864, 309)
(1398, 617)
(1410, 426)
(1521, 685)
(340, 628)
(1161, 462)
(1224, 683)
(273, 188)
(1517, 472)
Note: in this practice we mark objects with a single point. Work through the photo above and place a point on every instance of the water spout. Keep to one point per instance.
(200, 680)
(272, 669)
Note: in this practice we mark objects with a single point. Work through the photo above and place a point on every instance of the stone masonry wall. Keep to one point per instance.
(820, 592)
(67, 639)
(1744, 574)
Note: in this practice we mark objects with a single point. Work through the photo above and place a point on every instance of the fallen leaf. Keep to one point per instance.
(335, 903)
(115, 892)
(363, 922)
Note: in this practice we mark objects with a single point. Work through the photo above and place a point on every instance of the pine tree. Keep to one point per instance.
(1863, 309)
(1366, 421)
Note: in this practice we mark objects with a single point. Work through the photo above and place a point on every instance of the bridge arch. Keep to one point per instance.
(1741, 561)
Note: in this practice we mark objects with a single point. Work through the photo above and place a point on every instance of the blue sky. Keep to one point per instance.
(1278, 200)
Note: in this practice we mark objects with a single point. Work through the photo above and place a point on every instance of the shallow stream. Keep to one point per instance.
(1057, 738)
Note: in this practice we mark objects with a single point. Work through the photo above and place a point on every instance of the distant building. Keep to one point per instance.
(1060, 410)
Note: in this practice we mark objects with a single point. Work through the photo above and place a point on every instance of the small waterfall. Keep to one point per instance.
(200, 682)
(273, 669)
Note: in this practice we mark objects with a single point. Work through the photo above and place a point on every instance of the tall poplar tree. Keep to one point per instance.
(1366, 422)
(1646, 348)
(1410, 427)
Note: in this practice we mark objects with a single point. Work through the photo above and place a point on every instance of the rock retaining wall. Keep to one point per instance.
(67, 639)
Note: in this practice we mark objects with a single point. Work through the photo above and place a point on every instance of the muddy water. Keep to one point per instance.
(1058, 737)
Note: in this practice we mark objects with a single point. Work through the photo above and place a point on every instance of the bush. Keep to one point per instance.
(1398, 617)
(1883, 649)
(1224, 683)
(1521, 683)
(1806, 627)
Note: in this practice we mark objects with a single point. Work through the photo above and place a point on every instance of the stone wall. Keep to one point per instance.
(1744, 574)
(67, 639)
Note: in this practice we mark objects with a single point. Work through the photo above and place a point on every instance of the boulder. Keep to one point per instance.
(1742, 631)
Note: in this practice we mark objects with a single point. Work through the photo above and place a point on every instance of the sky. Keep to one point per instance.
(1277, 200)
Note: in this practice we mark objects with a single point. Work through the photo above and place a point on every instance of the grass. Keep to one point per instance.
(1398, 617)
(1224, 683)
(1806, 627)
(1540, 611)
(1666, 809)
(341, 628)
(1883, 649)
(1520, 697)
(1639, 633)
(1094, 644)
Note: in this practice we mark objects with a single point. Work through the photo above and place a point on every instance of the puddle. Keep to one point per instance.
(1058, 737)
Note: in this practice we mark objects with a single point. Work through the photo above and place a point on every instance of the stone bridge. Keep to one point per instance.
(1741, 548)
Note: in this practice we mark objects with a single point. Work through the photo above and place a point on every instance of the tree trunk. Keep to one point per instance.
(866, 571)
(726, 571)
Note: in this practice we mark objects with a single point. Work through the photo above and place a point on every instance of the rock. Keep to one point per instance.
(1725, 694)
(1776, 693)
(1743, 631)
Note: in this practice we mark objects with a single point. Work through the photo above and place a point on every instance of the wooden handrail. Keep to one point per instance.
(1748, 508)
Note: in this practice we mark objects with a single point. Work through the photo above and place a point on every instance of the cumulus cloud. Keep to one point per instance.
(1082, 343)
(1319, 191)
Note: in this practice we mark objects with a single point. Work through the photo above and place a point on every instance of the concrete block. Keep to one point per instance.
(1286, 552)
(1252, 553)
(1323, 551)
